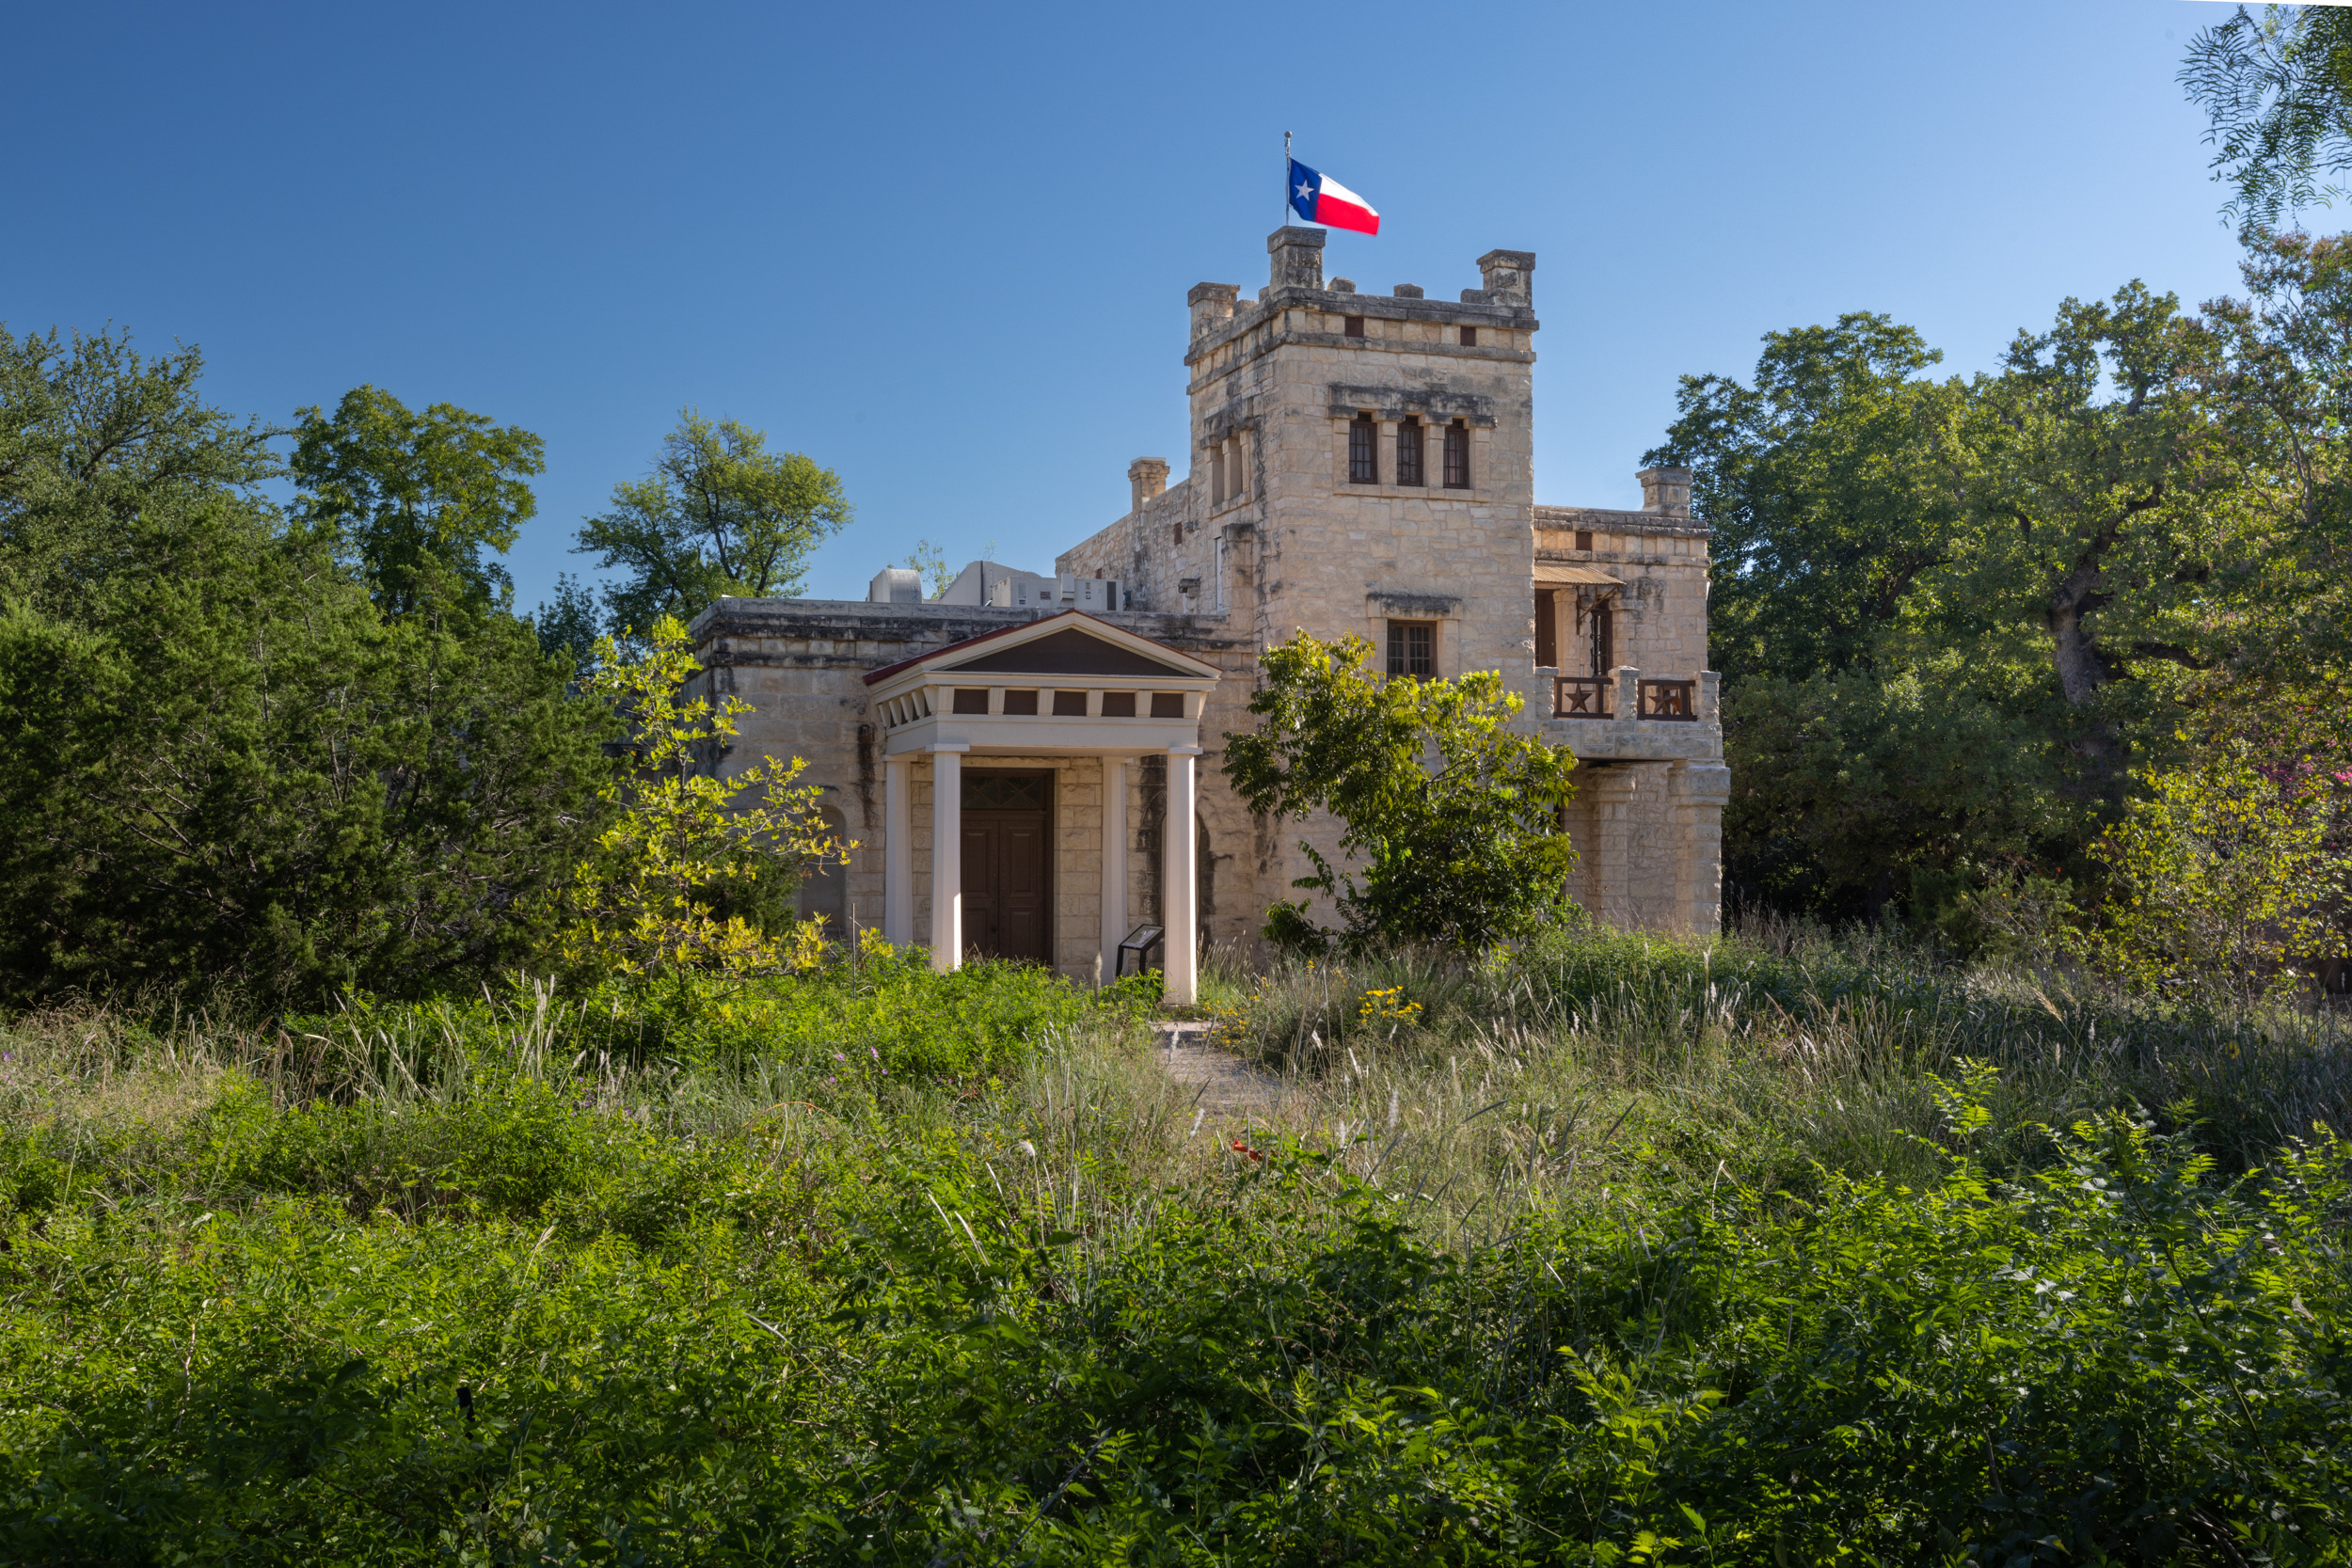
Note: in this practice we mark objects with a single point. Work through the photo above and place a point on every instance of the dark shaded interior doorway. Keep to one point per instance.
(1008, 865)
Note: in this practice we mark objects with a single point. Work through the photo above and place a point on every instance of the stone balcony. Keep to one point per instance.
(1629, 716)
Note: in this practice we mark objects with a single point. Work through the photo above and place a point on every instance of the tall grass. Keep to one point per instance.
(1772, 1054)
(498, 1280)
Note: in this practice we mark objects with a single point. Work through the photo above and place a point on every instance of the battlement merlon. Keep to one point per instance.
(1219, 314)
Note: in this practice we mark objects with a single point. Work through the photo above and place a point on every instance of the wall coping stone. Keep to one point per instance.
(1602, 519)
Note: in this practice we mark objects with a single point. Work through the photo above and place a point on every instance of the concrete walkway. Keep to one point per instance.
(1223, 1083)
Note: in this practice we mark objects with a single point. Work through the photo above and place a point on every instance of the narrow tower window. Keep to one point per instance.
(1216, 474)
(1409, 452)
(1457, 456)
(1413, 648)
(1363, 463)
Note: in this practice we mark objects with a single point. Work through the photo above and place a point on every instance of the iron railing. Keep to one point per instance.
(1673, 702)
(1676, 701)
(1582, 697)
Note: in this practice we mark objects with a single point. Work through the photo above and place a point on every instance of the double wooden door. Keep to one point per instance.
(1008, 864)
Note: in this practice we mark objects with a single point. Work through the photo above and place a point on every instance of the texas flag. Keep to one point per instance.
(1320, 198)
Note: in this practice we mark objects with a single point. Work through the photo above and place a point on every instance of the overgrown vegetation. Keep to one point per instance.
(328, 1234)
(1625, 1252)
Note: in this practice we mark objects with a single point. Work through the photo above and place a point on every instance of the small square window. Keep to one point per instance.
(1119, 704)
(1354, 326)
(1413, 648)
(1167, 704)
(1470, 337)
(971, 700)
(1070, 705)
(1584, 539)
(1023, 703)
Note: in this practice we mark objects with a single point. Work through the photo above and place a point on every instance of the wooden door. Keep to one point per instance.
(1007, 866)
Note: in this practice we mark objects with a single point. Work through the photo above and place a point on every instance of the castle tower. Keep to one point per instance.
(1362, 463)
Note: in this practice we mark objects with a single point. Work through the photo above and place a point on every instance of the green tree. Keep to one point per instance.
(719, 514)
(1832, 482)
(238, 776)
(2277, 99)
(1452, 815)
(2018, 574)
(567, 628)
(2280, 382)
(684, 843)
(219, 766)
(2096, 515)
(100, 449)
(2221, 878)
(1852, 788)
(416, 498)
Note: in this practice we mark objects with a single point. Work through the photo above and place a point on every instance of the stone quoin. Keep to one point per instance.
(1030, 763)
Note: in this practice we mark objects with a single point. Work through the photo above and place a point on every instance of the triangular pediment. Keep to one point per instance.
(1071, 646)
(1069, 651)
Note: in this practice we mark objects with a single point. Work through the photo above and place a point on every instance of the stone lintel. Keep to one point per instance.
(1392, 603)
(1429, 403)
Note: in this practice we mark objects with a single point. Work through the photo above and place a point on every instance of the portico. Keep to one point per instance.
(994, 721)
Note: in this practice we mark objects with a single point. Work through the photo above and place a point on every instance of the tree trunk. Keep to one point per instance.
(2083, 668)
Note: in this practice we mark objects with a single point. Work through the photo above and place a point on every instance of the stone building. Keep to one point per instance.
(1360, 463)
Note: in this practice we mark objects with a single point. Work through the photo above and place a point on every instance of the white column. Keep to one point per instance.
(947, 856)
(1114, 860)
(899, 851)
(1181, 952)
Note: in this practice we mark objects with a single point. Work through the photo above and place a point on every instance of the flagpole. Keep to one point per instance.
(1286, 178)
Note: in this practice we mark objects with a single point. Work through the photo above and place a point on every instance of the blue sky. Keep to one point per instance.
(944, 250)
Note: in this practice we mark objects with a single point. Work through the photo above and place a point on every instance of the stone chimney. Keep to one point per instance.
(1510, 277)
(1212, 306)
(1665, 492)
(1145, 477)
(1298, 257)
